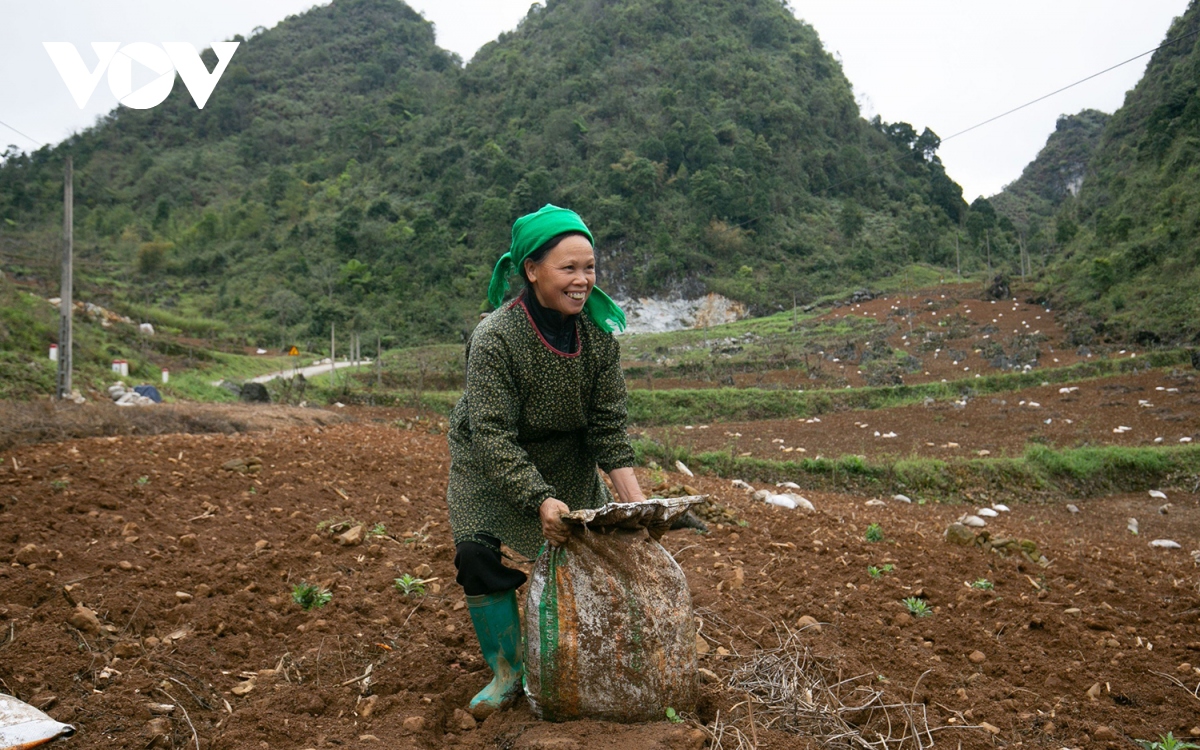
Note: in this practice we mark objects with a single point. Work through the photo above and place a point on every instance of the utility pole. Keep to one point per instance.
(332, 357)
(67, 306)
(957, 257)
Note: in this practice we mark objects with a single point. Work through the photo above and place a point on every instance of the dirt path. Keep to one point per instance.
(189, 567)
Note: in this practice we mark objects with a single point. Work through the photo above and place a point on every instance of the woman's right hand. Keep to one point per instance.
(553, 528)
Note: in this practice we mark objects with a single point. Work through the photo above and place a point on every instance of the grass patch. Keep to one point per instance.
(1040, 472)
(196, 384)
(683, 406)
(192, 325)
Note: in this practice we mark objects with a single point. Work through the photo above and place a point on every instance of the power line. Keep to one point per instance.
(18, 132)
(896, 157)
(1072, 85)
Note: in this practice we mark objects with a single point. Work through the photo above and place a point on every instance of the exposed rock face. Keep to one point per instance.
(652, 315)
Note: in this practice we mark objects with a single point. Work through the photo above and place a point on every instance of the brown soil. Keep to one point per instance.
(1001, 424)
(27, 422)
(189, 567)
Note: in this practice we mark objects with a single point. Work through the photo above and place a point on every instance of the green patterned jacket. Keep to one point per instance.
(533, 423)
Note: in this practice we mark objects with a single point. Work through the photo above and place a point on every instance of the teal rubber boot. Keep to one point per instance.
(498, 626)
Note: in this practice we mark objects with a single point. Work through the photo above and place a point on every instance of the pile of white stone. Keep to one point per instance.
(124, 396)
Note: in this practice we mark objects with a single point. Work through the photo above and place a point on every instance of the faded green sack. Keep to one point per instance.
(609, 629)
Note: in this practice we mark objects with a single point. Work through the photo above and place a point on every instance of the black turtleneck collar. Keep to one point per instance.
(557, 329)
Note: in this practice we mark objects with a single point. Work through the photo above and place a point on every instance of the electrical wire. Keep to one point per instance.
(18, 132)
(896, 157)
(1072, 85)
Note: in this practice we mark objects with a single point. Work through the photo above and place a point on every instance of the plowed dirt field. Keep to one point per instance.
(188, 568)
(1154, 407)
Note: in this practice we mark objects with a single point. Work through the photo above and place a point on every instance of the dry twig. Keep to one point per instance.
(187, 718)
(799, 693)
(1194, 693)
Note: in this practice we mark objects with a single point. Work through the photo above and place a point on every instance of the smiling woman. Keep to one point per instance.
(543, 408)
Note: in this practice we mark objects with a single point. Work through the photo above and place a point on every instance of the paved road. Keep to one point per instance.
(307, 372)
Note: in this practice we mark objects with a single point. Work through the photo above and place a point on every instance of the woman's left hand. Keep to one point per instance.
(626, 484)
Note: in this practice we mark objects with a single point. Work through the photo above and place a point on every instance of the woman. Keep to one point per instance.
(543, 407)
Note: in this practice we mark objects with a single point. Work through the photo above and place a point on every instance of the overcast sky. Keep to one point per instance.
(943, 64)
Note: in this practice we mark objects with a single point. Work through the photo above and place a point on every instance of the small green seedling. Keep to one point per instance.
(673, 716)
(310, 596)
(1167, 742)
(917, 607)
(143, 481)
(982, 583)
(874, 533)
(409, 585)
(60, 484)
(877, 572)
(377, 530)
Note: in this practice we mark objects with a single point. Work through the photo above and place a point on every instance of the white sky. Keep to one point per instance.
(943, 64)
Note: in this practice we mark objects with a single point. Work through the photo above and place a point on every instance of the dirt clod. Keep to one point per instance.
(957, 533)
(30, 554)
(367, 706)
(84, 620)
(158, 730)
(463, 721)
(352, 536)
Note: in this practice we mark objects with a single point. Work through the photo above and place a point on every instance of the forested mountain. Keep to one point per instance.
(348, 170)
(1127, 246)
(1056, 173)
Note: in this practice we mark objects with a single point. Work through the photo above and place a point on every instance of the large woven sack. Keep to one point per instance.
(609, 627)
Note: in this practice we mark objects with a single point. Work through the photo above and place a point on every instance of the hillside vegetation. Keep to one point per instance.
(348, 171)
(1124, 251)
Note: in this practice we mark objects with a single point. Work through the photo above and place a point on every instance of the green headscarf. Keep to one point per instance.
(529, 233)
